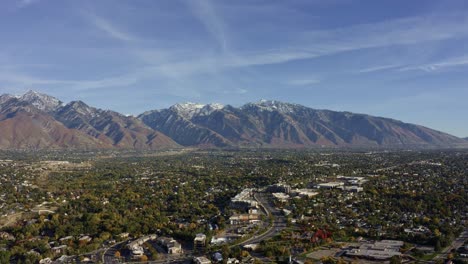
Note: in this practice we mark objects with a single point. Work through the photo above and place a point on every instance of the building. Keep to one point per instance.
(170, 245)
(85, 239)
(137, 251)
(199, 241)
(244, 200)
(380, 250)
(59, 250)
(201, 260)
(330, 185)
(281, 197)
(304, 192)
(244, 218)
(124, 235)
(351, 180)
(353, 188)
(232, 261)
(63, 239)
(279, 188)
(45, 261)
(136, 246)
(219, 240)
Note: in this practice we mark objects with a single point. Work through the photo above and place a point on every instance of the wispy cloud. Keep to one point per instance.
(109, 28)
(319, 43)
(379, 68)
(405, 31)
(26, 3)
(29, 81)
(431, 67)
(173, 64)
(19, 79)
(314, 44)
(205, 12)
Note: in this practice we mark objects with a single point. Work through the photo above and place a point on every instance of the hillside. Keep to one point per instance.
(278, 124)
(39, 121)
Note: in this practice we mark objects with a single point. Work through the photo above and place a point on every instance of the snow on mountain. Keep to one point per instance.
(272, 105)
(5, 97)
(189, 110)
(83, 109)
(41, 101)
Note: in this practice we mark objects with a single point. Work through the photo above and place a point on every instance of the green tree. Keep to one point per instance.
(395, 260)
(438, 246)
(5, 257)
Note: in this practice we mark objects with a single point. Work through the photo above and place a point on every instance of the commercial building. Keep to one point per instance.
(282, 197)
(380, 250)
(243, 218)
(170, 245)
(304, 192)
(244, 200)
(330, 185)
(279, 188)
(136, 246)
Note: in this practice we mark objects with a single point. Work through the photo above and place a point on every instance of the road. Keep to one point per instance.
(458, 242)
(108, 257)
(279, 221)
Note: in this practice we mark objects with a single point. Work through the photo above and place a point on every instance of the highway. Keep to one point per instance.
(279, 221)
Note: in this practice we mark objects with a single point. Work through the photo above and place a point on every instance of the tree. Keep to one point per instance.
(395, 260)
(143, 258)
(5, 257)
(438, 246)
(257, 261)
(226, 251)
(328, 260)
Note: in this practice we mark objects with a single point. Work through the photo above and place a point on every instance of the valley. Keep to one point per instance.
(253, 206)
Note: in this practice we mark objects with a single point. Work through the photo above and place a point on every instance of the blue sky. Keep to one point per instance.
(406, 60)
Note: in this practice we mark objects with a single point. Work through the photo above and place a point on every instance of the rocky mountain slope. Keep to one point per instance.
(278, 124)
(38, 121)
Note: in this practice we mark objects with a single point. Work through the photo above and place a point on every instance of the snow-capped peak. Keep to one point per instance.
(83, 109)
(215, 106)
(5, 97)
(189, 109)
(273, 105)
(41, 101)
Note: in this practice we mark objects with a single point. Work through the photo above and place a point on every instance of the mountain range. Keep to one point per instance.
(40, 121)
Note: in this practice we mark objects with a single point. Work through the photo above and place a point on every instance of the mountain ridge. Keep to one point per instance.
(39, 121)
(36, 120)
(270, 123)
